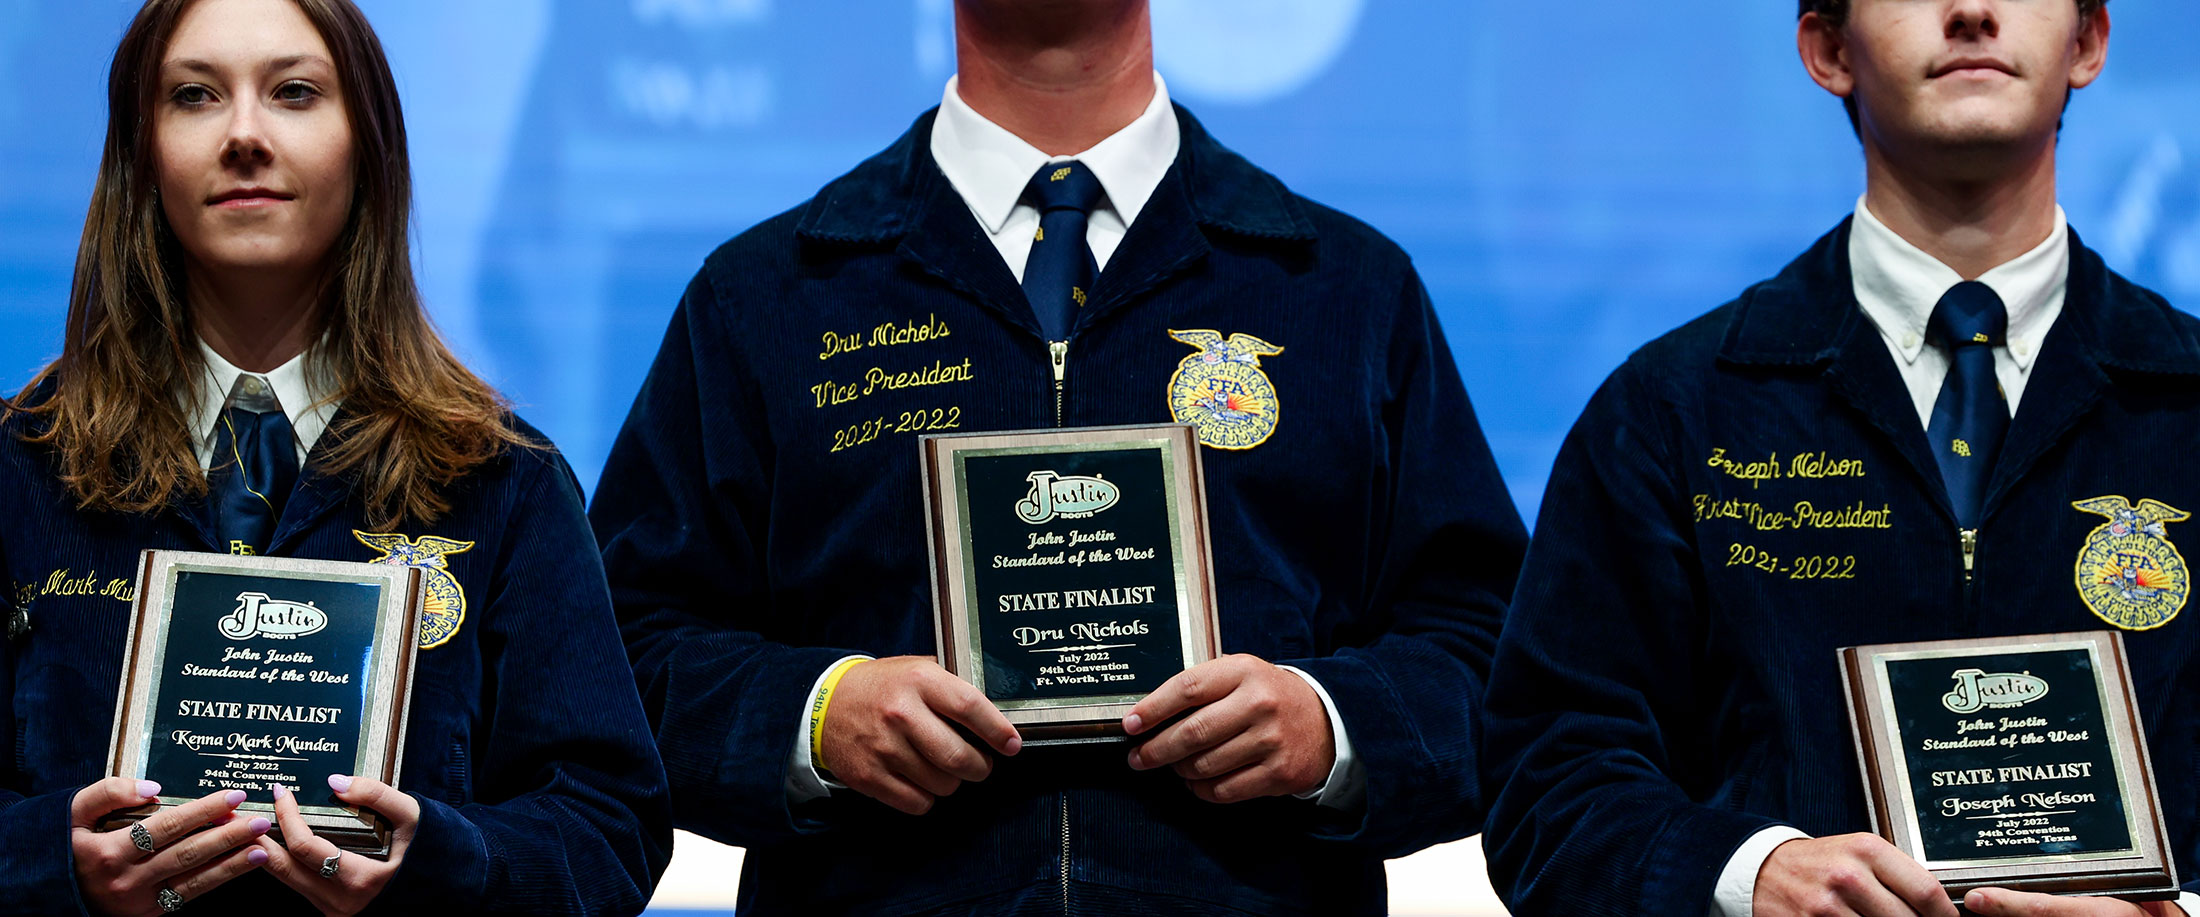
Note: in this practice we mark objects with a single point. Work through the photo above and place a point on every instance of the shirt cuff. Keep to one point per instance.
(1736, 892)
(2189, 903)
(804, 783)
(1347, 782)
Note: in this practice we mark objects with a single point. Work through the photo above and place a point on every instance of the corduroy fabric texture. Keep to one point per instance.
(761, 517)
(540, 788)
(1662, 691)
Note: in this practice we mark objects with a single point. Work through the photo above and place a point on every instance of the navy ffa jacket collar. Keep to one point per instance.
(1808, 315)
(885, 197)
(900, 195)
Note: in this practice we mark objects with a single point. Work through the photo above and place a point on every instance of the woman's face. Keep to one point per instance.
(253, 144)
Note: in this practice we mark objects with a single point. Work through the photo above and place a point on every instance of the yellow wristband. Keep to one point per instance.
(817, 711)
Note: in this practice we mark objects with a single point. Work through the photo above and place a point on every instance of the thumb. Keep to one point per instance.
(401, 809)
(107, 796)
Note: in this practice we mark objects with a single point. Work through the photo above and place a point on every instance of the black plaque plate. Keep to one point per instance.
(1070, 569)
(249, 672)
(2013, 762)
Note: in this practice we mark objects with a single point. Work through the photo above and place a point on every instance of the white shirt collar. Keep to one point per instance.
(1898, 284)
(990, 167)
(304, 393)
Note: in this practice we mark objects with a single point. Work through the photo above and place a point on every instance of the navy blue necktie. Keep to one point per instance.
(1059, 273)
(1972, 414)
(254, 468)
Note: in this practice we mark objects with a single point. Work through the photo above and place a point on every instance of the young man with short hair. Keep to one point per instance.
(1057, 245)
(1667, 717)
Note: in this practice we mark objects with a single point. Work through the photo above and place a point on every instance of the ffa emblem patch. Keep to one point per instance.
(445, 608)
(2128, 572)
(1221, 390)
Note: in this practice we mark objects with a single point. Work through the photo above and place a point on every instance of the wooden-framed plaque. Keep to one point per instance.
(246, 672)
(1071, 573)
(2015, 762)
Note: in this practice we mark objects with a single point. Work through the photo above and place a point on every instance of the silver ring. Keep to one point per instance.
(169, 900)
(140, 837)
(329, 865)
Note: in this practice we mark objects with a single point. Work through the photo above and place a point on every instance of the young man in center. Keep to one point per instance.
(1907, 435)
(1057, 246)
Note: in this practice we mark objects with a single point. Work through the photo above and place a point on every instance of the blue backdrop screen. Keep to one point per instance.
(1571, 180)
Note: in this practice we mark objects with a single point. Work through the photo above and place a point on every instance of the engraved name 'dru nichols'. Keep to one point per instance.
(1071, 573)
(243, 673)
(2015, 762)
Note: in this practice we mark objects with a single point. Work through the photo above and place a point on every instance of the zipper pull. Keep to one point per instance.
(1058, 353)
(1970, 549)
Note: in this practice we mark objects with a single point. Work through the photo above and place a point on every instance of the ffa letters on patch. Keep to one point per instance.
(2128, 572)
(1222, 391)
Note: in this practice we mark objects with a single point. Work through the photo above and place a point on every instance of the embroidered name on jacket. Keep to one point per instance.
(2129, 573)
(445, 609)
(1222, 391)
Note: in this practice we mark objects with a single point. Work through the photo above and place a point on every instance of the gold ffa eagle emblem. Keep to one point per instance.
(2129, 573)
(445, 608)
(1221, 390)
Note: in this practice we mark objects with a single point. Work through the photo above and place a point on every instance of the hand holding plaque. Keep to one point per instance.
(248, 673)
(1071, 572)
(904, 731)
(2011, 762)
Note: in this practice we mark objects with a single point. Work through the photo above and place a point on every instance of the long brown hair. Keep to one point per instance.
(414, 419)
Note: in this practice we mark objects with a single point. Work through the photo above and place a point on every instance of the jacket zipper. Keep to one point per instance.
(1065, 802)
(1969, 538)
(1058, 354)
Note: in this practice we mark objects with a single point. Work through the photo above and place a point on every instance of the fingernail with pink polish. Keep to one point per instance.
(339, 783)
(256, 857)
(235, 798)
(148, 789)
(260, 826)
(281, 791)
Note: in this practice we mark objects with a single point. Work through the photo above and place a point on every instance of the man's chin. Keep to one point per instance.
(1980, 122)
(1986, 141)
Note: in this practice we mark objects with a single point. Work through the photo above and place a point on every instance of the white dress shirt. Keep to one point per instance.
(1897, 285)
(305, 397)
(990, 168)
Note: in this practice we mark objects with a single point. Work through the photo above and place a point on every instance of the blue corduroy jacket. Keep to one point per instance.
(761, 517)
(1753, 491)
(539, 786)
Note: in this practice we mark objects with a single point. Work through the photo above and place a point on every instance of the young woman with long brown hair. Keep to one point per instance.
(248, 369)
